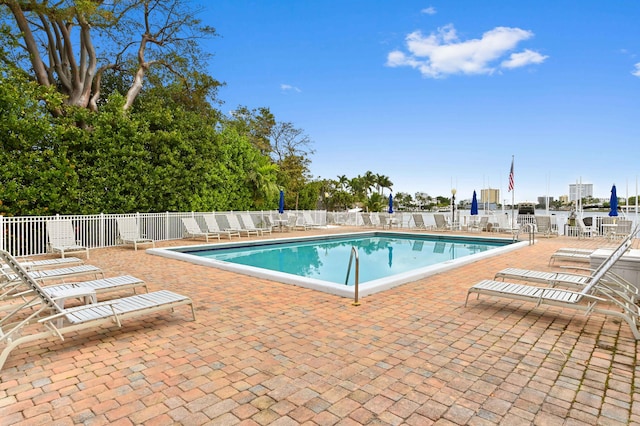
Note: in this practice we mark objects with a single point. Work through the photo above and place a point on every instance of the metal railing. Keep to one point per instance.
(27, 235)
(354, 255)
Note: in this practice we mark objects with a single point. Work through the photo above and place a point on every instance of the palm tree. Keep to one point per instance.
(369, 181)
(384, 182)
(343, 182)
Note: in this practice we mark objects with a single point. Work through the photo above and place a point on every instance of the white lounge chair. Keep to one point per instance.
(555, 278)
(418, 222)
(129, 233)
(212, 226)
(309, 222)
(366, 220)
(192, 230)
(603, 287)
(62, 238)
(247, 221)
(99, 286)
(234, 224)
(544, 226)
(584, 230)
(571, 254)
(41, 316)
(35, 265)
(45, 275)
(441, 222)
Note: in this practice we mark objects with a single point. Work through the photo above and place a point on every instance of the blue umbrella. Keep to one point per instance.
(613, 202)
(390, 203)
(474, 204)
(281, 203)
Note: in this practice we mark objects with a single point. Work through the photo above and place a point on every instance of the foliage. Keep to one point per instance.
(70, 44)
(36, 175)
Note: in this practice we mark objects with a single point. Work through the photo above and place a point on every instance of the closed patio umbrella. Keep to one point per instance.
(613, 202)
(390, 203)
(281, 203)
(474, 204)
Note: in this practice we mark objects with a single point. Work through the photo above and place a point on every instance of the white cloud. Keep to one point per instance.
(517, 60)
(636, 72)
(442, 53)
(429, 10)
(288, 87)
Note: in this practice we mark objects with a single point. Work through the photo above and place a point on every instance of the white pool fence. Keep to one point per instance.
(27, 236)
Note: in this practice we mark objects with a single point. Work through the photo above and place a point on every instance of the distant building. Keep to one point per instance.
(564, 199)
(489, 196)
(578, 191)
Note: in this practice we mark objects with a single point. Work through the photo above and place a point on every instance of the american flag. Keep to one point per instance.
(511, 177)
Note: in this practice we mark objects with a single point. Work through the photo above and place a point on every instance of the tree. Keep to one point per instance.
(134, 36)
(291, 149)
(257, 125)
(35, 170)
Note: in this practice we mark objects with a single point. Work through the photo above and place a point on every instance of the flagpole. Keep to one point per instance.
(513, 194)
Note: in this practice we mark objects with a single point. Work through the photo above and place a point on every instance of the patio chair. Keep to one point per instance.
(212, 226)
(544, 226)
(366, 220)
(418, 222)
(36, 265)
(129, 233)
(602, 287)
(623, 229)
(247, 221)
(99, 286)
(441, 222)
(192, 230)
(41, 316)
(234, 224)
(584, 230)
(571, 254)
(62, 238)
(45, 275)
(563, 278)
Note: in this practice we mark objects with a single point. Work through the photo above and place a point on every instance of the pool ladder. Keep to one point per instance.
(354, 254)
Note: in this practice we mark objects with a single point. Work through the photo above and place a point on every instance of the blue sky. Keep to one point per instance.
(442, 94)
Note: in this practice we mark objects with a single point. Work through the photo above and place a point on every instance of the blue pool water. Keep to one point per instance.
(380, 256)
(387, 259)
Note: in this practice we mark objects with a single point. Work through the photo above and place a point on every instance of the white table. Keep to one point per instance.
(60, 296)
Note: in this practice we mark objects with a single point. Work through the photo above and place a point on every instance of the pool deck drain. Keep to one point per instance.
(267, 353)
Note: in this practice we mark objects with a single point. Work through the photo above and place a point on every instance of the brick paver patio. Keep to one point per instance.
(268, 353)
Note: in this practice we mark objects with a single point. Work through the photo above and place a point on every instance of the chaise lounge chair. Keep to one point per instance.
(99, 286)
(571, 254)
(418, 222)
(544, 227)
(247, 221)
(441, 222)
(62, 238)
(36, 265)
(192, 230)
(212, 226)
(366, 220)
(563, 278)
(234, 224)
(129, 233)
(600, 288)
(42, 317)
(44, 275)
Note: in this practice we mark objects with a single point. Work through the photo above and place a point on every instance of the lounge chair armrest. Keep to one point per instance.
(77, 309)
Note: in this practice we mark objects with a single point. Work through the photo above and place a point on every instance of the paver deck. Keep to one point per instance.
(264, 353)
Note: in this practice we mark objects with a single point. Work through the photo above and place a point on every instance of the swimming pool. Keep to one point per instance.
(387, 259)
